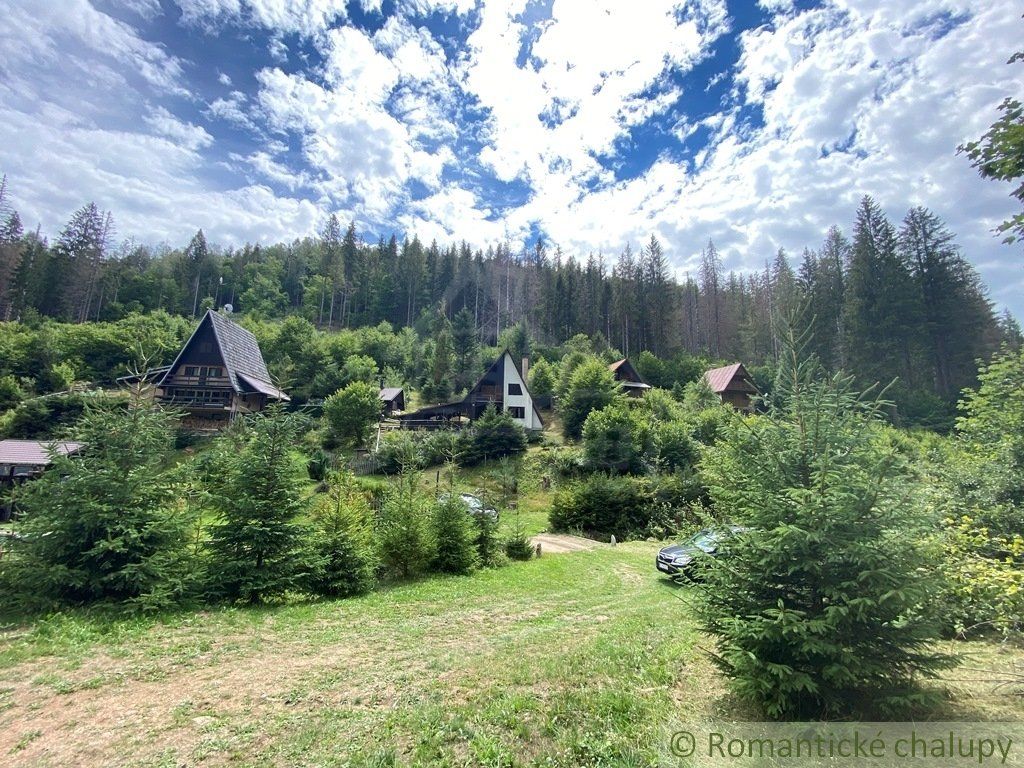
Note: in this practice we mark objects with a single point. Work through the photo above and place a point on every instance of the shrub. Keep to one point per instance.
(11, 393)
(352, 410)
(45, 417)
(518, 545)
(398, 450)
(600, 504)
(591, 387)
(706, 426)
(492, 436)
(344, 547)
(823, 609)
(674, 448)
(542, 379)
(615, 440)
(404, 530)
(984, 579)
(319, 465)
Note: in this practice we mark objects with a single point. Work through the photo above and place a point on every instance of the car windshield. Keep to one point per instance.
(704, 540)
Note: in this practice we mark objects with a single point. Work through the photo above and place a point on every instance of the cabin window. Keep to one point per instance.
(514, 389)
(214, 373)
(516, 411)
(191, 371)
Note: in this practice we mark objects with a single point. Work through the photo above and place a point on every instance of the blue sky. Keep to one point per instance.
(594, 122)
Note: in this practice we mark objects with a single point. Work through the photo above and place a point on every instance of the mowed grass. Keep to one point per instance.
(583, 659)
(567, 660)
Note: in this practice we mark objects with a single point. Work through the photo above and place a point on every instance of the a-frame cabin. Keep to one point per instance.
(629, 378)
(502, 385)
(219, 374)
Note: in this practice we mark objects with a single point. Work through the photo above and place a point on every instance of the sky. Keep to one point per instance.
(590, 123)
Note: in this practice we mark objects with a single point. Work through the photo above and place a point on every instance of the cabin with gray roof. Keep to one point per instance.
(219, 374)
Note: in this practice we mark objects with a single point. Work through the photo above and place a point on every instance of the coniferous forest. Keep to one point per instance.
(886, 301)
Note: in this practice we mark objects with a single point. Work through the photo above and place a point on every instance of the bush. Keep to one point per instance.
(823, 609)
(983, 589)
(319, 465)
(11, 393)
(344, 547)
(492, 436)
(352, 411)
(615, 440)
(706, 426)
(45, 417)
(398, 450)
(591, 387)
(454, 536)
(605, 505)
(674, 448)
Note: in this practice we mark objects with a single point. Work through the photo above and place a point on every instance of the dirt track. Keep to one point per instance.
(557, 544)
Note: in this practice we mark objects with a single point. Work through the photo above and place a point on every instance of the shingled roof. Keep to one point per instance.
(240, 351)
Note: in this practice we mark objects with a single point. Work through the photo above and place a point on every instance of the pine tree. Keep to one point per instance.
(197, 256)
(256, 543)
(343, 540)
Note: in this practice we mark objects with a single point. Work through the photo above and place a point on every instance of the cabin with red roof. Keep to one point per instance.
(733, 385)
(628, 377)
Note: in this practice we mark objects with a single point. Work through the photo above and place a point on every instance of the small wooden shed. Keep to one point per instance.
(629, 378)
(734, 385)
(392, 400)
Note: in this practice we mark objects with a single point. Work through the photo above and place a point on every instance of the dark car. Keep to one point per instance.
(679, 559)
(474, 505)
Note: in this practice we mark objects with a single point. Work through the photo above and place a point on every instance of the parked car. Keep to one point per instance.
(679, 559)
(474, 504)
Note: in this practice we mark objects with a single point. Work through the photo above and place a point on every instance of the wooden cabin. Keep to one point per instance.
(219, 374)
(503, 385)
(23, 460)
(392, 400)
(629, 379)
(733, 385)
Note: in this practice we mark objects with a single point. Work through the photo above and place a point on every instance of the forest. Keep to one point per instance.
(885, 302)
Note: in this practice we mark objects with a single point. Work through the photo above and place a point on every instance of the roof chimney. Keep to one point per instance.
(526, 366)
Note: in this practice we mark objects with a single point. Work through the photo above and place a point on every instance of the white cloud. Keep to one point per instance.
(300, 16)
(38, 34)
(187, 135)
(232, 108)
(571, 101)
(224, 79)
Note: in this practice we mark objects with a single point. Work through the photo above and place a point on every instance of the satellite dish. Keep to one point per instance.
(228, 309)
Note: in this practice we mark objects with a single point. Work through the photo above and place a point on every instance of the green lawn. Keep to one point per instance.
(581, 659)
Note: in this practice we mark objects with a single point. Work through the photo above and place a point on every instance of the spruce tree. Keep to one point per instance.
(823, 607)
(882, 306)
(465, 346)
(103, 524)
(256, 543)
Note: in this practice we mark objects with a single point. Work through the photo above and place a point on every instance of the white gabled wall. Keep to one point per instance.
(524, 400)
